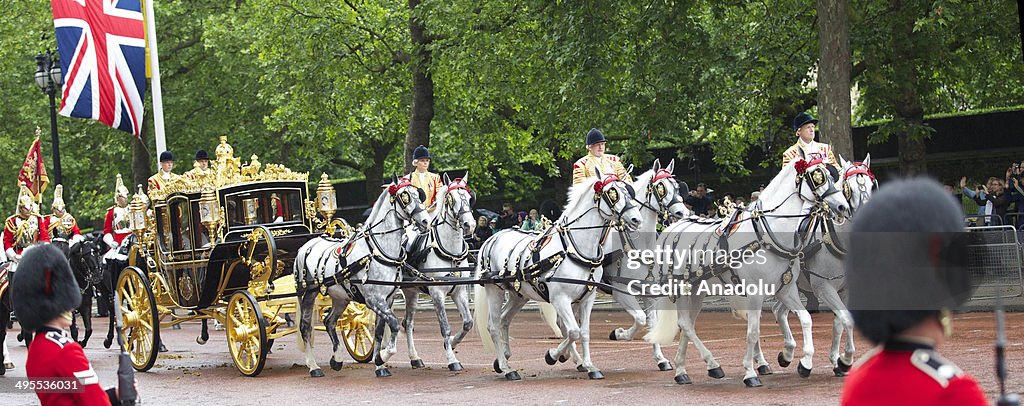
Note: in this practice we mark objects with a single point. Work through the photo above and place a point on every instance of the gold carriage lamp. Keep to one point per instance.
(209, 211)
(327, 203)
(138, 213)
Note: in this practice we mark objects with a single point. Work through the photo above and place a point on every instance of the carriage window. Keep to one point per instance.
(163, 224)
(181, 218)
(264, 207)
(201, 233)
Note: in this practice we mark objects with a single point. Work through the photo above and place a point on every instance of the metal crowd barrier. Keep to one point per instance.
(975, 220)
(995, 262)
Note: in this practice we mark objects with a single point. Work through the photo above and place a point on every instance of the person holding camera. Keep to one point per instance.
(508, 217)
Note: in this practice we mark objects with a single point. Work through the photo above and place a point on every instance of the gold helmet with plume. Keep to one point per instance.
(58, 198)
(119, 189)
(25, 198)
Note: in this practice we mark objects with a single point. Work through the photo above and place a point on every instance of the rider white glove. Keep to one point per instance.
(109, 239)
(11, 255)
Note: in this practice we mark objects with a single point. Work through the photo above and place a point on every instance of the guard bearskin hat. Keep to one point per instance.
(43, 287)
(594, 136)
(907, 258)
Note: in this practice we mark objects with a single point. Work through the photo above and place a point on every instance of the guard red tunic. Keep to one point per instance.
(64, 227)
(117, 224)
(909, 374)
(11, 234)
(53, 354)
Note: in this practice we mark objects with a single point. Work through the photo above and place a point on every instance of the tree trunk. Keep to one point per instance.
(375, 172)
(141, 170)
(906, 100)
(422, 88)
(834, 64)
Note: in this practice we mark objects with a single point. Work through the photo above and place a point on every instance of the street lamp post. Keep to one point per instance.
(49, 79)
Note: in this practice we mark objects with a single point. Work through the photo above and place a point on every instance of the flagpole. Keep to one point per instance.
(154, 61)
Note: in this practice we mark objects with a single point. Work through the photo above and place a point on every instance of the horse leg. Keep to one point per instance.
(438, 295)
(85, 310)
(109, 282)
(410, 296)
(753, 336)
(685, 324)
(571, 330)
(781, 312)
(791, 299)
(385, 318)
(461, 299)
(842, 322)
(659, 357)
(586, 307)
(689, 328)
(5, 355)
(330, 321)
(497, 326)
(632, 306)
(306, 303)
(204, 332)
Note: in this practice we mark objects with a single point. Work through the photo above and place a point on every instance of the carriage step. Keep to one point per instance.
(754, 382)
(664, 366)
(716, 373)
(683, 379)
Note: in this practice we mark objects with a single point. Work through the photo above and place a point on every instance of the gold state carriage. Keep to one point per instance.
(219, 244)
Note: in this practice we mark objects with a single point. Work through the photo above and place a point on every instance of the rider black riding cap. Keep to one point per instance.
(595, 136)
(166, 156)
(420, 152)
(201, 155)
(44, 287)
(801, 119)
(907, 259)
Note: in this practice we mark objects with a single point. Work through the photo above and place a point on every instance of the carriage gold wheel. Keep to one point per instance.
(247, 333)
(140, 328)
(357, 324)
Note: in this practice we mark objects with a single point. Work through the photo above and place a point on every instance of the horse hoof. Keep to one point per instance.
(455, 366)
(163, 348)
(497, 369)
(754, 382)
(562, 358)
(611, 336)
(716, 373)
(764, 370)
(683, 379)
(336, 365)
(782, 361)
(8, 365)
(839, 372)
(20, 337)
(513, 376)
(664, 366)
(417, 364)
(595, 375)
(844, 366)
(316, 373)
(200, 341)
(804, 372)
(548, 359)
(106, 343)
(580, 368)
(382, 373)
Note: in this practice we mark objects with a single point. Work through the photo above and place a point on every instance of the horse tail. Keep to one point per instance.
(547, 311)
(666, 325)
(738, 307)
(481, 306)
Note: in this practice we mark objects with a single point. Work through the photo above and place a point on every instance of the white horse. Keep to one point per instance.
(559, 266)
(659, 195)
(366, 268)
(446, 249)
(766, 230)
(823, 272)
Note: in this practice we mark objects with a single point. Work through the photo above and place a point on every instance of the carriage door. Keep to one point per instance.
(180, 272)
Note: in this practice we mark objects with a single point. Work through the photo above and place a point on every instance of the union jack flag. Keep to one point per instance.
(103, 59)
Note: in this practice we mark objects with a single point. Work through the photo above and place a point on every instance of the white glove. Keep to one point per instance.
(109, 239)
(77, 238)
(11, 255)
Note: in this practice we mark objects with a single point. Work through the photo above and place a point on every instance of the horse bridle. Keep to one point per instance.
(398, 198)
(453, 222)
(859, 169)
(658, 189)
